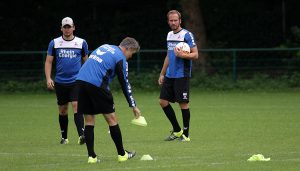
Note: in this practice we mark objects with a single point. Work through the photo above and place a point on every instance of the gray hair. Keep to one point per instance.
(130, 43)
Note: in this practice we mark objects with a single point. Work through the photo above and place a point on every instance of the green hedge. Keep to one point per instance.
(148, 82)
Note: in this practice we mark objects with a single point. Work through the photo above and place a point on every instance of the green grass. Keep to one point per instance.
(226, 129)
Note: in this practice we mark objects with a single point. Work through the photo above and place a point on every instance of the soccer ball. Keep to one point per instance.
(184, 47)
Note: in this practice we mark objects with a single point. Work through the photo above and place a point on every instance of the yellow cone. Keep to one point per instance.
(140, 121)
(146, 157)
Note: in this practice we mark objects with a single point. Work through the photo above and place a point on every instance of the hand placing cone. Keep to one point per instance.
(138, 118)
(136, 112)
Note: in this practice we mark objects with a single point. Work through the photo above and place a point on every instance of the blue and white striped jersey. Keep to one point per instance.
(179, 67)
(68, 55)
(101, 67)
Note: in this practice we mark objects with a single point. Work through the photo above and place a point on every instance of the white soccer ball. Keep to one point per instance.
(184, 47)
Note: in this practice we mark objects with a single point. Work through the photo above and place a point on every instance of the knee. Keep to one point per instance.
(74, 106)
(184, 105)
(163, 103)
(111, 119)
(89, 119)
(63, 110)
(112, 122)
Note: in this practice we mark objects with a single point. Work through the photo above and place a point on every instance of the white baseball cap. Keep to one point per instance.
(67, 21)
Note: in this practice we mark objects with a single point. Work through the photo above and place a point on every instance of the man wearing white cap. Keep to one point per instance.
(69, 52)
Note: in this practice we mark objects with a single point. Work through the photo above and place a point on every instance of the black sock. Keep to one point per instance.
(63, 122)
(186, 121)
(89, 140)
(116, 135)
(79, 122)
(172, 117)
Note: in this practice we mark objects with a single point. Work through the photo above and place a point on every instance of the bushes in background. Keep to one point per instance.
(148, 82)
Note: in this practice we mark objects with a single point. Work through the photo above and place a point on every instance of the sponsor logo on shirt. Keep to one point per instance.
(63, 53)
(99, 52)
(171, 45)
(96, 58)
(109, 48)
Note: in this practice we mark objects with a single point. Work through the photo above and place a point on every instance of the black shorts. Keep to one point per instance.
(175, 90)
(94, 100)
(66, 93)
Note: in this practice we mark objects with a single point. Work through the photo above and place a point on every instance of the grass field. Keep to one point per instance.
(226, 129)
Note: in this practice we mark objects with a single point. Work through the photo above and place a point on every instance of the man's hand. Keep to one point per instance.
(50, 84)
(179, 52)
(136, 112)
(161, 79)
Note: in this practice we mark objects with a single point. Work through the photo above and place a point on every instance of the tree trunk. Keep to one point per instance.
(193, 21)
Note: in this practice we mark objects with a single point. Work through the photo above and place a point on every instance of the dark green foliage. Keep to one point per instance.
(256, 82)
(23, 86)
(230, 24)
(148, 82)
(294, 80)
